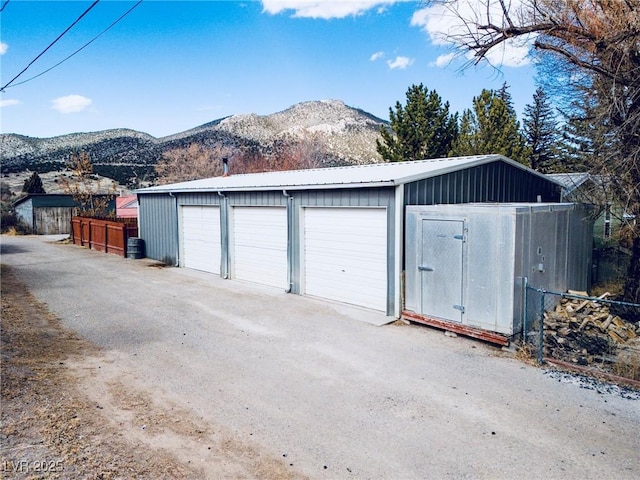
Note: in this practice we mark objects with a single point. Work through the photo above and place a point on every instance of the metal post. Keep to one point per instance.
(541, 338)
(525, 299)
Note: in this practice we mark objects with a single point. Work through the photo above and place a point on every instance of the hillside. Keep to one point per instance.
(347, 135)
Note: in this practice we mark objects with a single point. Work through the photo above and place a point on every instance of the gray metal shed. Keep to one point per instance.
(334, 233)
(467, 265)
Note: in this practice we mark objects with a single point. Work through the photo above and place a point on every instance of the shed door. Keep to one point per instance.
(259, 250)
(441, 269)
(345, 255)
(201, 238)
(53, 220)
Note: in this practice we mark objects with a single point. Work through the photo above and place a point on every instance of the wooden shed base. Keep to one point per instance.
(491, 337)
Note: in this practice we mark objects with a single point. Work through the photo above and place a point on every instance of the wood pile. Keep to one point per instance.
(585, 332)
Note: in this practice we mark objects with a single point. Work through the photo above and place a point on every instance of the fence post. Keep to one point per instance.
(525, 301)
(541, 338)
(106, 237)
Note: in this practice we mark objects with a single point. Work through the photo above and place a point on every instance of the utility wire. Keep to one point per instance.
(4, 5)
(81, 48)
(50, 45)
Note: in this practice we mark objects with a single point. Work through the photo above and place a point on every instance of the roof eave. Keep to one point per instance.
(323, 186)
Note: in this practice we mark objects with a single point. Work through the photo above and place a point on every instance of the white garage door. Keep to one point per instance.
(201, 238)
(345, 255)
(260, 245)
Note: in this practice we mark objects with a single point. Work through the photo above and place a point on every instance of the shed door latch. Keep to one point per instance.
(459, 307)
(423, 268)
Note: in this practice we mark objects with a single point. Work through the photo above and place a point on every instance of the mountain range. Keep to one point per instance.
(348, 136)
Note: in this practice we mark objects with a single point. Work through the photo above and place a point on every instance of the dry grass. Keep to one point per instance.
(614, 287)
(627, 364)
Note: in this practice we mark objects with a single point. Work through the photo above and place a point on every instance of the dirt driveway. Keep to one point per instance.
(114, 368)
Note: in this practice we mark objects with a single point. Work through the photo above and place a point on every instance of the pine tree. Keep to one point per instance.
(505, 95)
(583, 137)
(466, 142)
(491, 128)
(422, 129)
(541, 133)
(33, 184)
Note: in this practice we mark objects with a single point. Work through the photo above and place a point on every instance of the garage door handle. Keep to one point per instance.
(425, 269)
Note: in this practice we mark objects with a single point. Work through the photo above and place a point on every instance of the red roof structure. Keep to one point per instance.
(127, 206)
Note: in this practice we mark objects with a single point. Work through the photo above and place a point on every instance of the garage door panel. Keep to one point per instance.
(345, 255)
(339, 249)
(350, 263)
(368, 297)
(260, 245)
(362, 281)
(201, 238)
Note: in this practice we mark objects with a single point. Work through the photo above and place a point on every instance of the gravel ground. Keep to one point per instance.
(206, 378)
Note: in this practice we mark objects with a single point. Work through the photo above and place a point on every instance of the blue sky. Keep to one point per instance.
(172, 65)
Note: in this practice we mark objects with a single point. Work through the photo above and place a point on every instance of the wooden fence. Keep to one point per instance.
(104, 235)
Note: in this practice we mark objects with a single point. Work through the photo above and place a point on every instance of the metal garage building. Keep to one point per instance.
(334, 233)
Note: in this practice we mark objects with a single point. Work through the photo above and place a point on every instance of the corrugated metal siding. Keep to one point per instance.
(199, 198)
(274, 198)
(158, 226)
(493, 182)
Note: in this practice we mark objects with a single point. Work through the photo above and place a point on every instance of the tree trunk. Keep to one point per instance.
(632, 283)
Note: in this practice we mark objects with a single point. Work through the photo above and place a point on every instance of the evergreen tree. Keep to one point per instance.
(491, 128)
(505, 95)
(33, 184)
(583, 137)
(540, 131)
(466, 142)
(422, 129)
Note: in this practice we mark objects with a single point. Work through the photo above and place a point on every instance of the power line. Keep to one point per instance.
(81, 48)
(4, 5)
(51, 44)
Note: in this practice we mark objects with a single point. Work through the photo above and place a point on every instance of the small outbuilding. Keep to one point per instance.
(467, 265)
(335, 233)
(49, 213)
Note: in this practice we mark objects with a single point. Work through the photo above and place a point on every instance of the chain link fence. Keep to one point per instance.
(593, 332)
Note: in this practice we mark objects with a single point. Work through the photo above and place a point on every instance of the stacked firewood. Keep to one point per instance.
(585, 332)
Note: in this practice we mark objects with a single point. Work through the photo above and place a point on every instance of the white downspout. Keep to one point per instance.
(398, 250)
(224, 250)
(177, 232)
(289, 243)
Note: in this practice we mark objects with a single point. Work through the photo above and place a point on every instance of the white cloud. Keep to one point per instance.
(71, 104)
(376, 56)
(325, 9)
(442, 26)
(3, 48)
(10, 102)
(443, 60)
(400, 62)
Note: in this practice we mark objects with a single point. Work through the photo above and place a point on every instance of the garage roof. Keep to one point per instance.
(371, 175)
